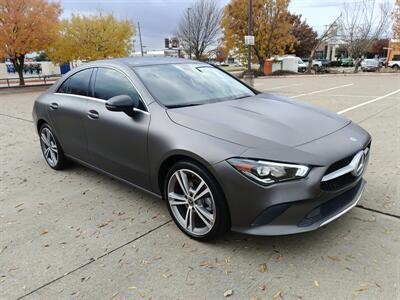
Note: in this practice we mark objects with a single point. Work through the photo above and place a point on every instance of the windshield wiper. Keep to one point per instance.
(183, 105)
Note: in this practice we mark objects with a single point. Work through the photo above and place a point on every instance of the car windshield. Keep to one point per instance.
(179, 85)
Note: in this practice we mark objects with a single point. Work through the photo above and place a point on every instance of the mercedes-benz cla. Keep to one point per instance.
(222, 155)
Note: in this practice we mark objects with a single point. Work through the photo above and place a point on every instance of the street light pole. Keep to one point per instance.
(140, 38)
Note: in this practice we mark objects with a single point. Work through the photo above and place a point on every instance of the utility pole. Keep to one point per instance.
(249, 41)
(189, 33)
(250, 32)
(140, 38)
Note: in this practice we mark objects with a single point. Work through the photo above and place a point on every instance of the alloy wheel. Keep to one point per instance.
(49, 146)
(191, 202)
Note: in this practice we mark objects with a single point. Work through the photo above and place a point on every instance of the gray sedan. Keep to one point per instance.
(221, 154)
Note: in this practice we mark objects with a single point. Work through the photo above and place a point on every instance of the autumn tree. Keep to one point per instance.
(26, 26)
(91, 38)
(305, 36)
(199, 27)
(271, 28)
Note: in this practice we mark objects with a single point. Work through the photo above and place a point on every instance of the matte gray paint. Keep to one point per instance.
(132, 148)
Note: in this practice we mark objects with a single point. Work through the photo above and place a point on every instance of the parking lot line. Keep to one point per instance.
(283, 86)
(368, 102)
(321, 91)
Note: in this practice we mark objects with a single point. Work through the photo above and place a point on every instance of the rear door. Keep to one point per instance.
(117, 143)
(67, 112)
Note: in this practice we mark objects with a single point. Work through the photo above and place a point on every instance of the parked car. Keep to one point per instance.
(221, 154)
(317, 65)
(394, 64)
(370, 65)
(301, 66)
(382, 61)
(325, 63)
(347, 62)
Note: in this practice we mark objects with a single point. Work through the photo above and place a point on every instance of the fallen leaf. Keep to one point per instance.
(102, 224)
(335, 258)
(44, 232)
(263, 268)
(19, 205)
(228, 293)
(316, 283)
(278, 294)
(262, 287)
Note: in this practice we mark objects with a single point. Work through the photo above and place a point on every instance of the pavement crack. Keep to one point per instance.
(92, 260)
(379, 212)
(17, 118)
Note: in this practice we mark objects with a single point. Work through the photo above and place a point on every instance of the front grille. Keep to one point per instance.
(338, 182)
(330, 207)
(340, 164)
(344, 180)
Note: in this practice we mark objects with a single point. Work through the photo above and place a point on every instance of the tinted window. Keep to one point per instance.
(177, 85)
(110, 83)
(65, 88)
(77, 84)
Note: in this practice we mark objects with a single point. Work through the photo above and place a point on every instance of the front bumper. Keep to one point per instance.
(285, 208)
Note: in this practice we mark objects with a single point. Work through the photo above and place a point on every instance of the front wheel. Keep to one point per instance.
(195, 201)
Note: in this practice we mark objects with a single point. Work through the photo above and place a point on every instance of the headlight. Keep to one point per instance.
(266, 172)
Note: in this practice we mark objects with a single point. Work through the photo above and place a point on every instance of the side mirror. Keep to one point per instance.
(122, 103)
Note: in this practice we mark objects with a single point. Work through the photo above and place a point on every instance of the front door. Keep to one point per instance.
(117, 143)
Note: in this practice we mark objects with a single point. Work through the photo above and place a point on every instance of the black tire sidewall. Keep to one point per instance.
(221, 223)
(61, 157)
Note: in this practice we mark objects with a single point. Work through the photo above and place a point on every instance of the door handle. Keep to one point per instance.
(54, 105)
(93, 114)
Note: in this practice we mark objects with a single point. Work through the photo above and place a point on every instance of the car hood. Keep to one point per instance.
(255, 121)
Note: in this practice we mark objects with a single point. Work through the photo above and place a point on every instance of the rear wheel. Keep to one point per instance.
(195, 201)
(51, 148)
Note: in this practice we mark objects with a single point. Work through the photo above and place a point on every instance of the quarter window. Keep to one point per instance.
(77, 84)
(110, 83)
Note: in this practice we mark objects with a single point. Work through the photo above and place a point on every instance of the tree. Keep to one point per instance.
(26, 26)
(329, 33)
(378, 47)
(199, 27)
(271, 28)
(91, 38)
(396, 20)
(362, 23)
(305, 36)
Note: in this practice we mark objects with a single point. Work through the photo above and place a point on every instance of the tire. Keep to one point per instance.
(396, 68)
(51, 148)
(210, 206)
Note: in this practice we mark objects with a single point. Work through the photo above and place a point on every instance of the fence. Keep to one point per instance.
(32, 80)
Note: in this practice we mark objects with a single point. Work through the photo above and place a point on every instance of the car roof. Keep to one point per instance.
(147, 61)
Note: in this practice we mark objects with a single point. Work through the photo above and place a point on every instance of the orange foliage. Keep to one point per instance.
(26, 26)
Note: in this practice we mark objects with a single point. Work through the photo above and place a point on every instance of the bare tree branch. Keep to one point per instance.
(199, 28)
(362, 24)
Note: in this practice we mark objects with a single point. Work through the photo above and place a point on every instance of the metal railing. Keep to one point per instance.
(29, 81)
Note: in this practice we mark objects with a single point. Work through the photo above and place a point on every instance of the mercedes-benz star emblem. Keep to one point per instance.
(359, 166)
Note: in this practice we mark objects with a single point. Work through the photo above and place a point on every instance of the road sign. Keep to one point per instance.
(249, 40)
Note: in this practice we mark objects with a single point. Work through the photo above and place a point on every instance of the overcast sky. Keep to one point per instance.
(158, 18)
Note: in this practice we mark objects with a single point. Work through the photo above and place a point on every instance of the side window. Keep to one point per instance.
(65, 88)
(110, 83)
(80, 82)
(77, 84)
